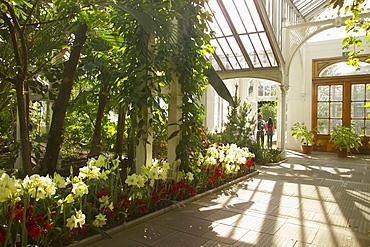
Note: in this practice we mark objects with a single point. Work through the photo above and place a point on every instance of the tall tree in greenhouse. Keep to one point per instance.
(18, 38)
(49, 162)
(192, 45)
(25, 53)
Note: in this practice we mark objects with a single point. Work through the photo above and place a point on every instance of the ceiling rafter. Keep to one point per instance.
(235, 34)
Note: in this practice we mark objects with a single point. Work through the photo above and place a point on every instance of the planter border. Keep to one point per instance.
(132, 223)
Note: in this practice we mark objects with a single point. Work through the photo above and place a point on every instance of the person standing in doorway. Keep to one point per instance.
(260, 126)
(269, 126)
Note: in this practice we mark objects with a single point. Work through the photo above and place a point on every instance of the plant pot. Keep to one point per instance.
(306, 149)
(343, 153)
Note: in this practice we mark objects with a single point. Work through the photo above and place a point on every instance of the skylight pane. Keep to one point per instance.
(223, 52)
(252, 53)
(247, 44)
(215, 27)
(214, 63)
(219, 17)
(256, 42)
(235, 18)
(225, 47)
(255, 16)
(270, 58)
(236, 51)
(245, 16)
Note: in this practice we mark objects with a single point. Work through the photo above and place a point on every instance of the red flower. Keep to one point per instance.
(211, 180)
(103, 192)
(48, 225)
(29, 209)
(40, 218)
(182, 195)
(218, 172)
(18, 215)
(2, 235)
(35, 232)
(125, 202)
(155, 196)
(143, 209)
(31, 223)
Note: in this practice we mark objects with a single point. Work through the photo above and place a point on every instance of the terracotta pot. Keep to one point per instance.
(343, 153)
(306, 149)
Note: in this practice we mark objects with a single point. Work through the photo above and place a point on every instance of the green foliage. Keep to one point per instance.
(7, 119)
(240, 126)
(192, 45)
(354, 24)
(344, 137)
(269, 109)
(262, 155)
(305, 136)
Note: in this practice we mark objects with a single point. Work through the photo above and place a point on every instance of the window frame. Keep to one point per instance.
(346, 82)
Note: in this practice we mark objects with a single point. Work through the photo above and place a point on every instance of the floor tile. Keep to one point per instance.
(253, 238)
(225, 234)
(297, 232)
(181, 239)
(183, 223)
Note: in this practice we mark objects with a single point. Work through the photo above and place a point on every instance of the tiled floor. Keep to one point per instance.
(308, 200)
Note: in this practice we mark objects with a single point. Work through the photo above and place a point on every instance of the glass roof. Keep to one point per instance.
(248, 33)
(240, 41)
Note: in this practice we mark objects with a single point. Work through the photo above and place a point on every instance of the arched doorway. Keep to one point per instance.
(340, 93)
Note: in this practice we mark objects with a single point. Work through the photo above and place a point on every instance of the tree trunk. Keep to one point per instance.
(120, 131)
(24, 130)
(103, 99)
(49, 163)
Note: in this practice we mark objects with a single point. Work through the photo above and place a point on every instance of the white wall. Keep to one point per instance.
(299, 97)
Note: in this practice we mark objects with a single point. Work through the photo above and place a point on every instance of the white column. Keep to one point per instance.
(174, 116)
(144, 150)
(282, 127)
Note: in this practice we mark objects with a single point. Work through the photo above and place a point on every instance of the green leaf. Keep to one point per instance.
(219, 85)
(101, 231)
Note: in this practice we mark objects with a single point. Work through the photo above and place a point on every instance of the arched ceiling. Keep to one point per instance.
(248, 34)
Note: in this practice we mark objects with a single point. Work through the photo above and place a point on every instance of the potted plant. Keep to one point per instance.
(306, 136)
(345, 139)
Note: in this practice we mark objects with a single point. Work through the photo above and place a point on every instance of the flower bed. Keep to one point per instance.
(44, 211)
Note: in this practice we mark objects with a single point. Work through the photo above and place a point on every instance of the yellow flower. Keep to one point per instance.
(72, 222)
(59, 181)
(100, 220)
(80, 189)
(80, 217)
(70, 199)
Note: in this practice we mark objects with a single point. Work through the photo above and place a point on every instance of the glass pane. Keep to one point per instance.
(357, 110)
(219, 18)
(367, 132)
(359, 124)
(268, 54)
(255, 16)
(367, 92)
(236, 51)
(246, 17)
(323, 93)
(336, 93)
(358, 92)
(336, 110)
(343, 69)
(323, 109)
(323, 126)
(335, 122)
